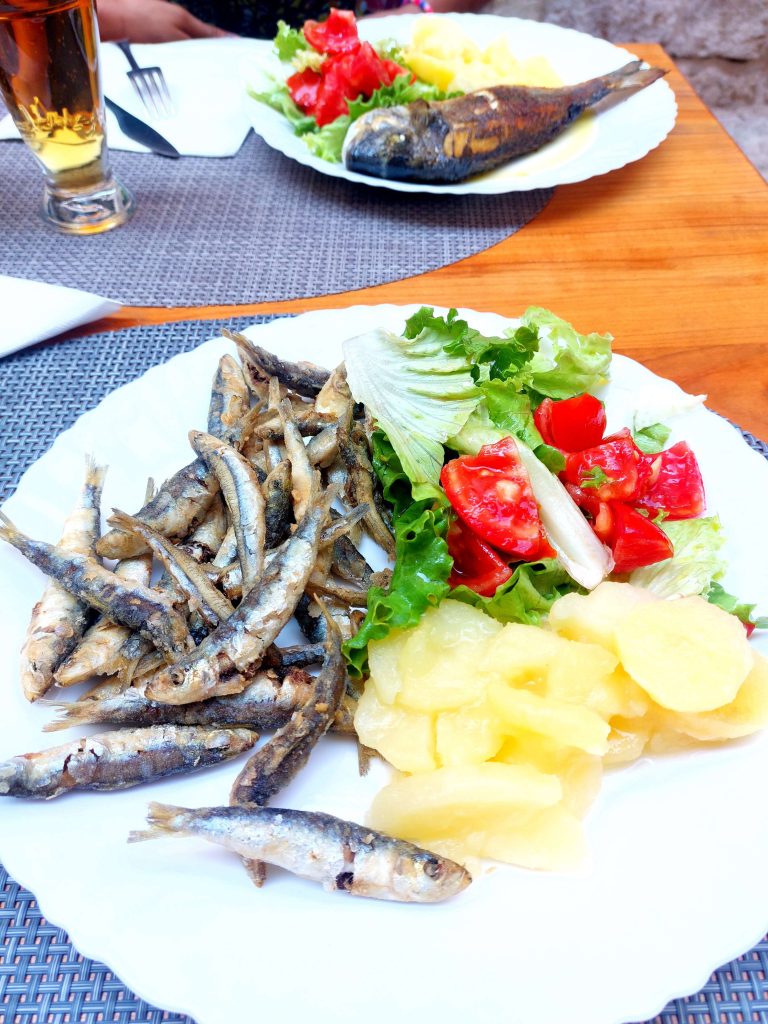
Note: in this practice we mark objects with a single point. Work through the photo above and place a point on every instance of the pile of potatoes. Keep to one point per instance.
(500, 733)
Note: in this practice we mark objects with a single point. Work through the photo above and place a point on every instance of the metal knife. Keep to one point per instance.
(140, 132)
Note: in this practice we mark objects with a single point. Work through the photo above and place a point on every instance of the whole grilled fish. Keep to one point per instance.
(59, 618)
(118, 760)
(340, 855)
(450, 140)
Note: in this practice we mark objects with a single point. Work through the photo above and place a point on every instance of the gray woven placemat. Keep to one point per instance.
(42, 977)
(258, 227)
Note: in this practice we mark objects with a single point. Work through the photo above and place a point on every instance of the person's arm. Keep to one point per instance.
(150, 21)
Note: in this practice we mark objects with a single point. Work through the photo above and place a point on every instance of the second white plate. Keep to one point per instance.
(611, 139)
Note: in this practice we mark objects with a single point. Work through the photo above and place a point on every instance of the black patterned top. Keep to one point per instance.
(258, 18)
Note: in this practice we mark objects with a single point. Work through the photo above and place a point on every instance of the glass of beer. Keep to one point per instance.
(49, 79)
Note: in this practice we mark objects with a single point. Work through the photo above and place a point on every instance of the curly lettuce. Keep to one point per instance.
(527, 595)
(567, 363)
(696, 564)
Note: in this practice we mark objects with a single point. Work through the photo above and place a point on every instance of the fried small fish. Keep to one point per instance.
(96, 652)
(230, 401)
(188, 575)
(341, 855)
(323, 447)
(177, 508)
(303, 378)
(145, 611)
(266, 703)
(222, 663)
(449, 140)
(283, 757)
(119, 760)
(59, 619)
(244, 498)
(302, 470)
(205, 540)
(354, 450)
(332, 400)
(278, 508)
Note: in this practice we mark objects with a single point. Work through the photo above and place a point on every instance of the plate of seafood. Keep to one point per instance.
(439, 633)
(456, 104)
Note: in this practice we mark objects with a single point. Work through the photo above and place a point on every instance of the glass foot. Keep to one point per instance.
(107, 206)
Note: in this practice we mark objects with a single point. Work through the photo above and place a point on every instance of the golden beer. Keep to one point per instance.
(49, 78)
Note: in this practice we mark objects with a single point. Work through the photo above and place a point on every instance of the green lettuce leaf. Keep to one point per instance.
(402, 90)
(326, 142)
(567, 363)
(732, 605)
(389, 469)
(696, 562)
(288, 41)
(651, 440)
(420, 579)
(418, 394)
(511, 410)
(526, 596)
(277, 96)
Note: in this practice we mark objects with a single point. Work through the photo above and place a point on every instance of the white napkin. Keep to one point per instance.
(32, 311)
(204, 80)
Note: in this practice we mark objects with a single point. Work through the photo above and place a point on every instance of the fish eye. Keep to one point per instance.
(432, 867)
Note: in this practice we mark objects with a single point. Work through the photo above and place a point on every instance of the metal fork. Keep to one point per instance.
(150, 86)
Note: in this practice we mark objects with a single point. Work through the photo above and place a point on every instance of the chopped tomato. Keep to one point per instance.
(615, 470)
(337, 34)
(492, 494)
(636, 540)
(677, 488)
(475, 564)
(599, 511)
(303, 88)
(577, 423)
(395, 70)
(543, 420)
(364, 70)
(335, 89)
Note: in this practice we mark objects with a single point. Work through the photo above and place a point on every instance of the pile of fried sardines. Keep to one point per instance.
(247, 537)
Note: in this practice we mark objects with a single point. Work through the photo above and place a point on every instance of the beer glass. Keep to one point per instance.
(49, 79)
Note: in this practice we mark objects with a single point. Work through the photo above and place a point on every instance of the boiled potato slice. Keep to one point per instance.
(580, 774)
(470, 735)
(460, 799)
(626, 740)
(746, 713)
(406, 740)
(689, 655)
(434, 70)
(565, 723)
(593, 618)
(383, 656)
(548, 840)
(439, 660)
(521, 654)
(582, 674)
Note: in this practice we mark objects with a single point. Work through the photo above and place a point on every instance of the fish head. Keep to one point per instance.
(183, 682)
(421, 876)
(386, 142)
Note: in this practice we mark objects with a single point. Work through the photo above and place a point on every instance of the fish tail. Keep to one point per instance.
(122, 521)
(160, 820)
(633, 76)
(94, 473)
(69, 713)
(150, 492)
(9, 532)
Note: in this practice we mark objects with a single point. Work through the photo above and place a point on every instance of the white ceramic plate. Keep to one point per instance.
(679, 843)
(616, 137)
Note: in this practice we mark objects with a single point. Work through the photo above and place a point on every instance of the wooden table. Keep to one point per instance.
(669, 254)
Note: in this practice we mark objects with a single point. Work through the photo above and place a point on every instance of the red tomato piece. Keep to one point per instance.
(599, 511)
(364, 70)
(303, 88)
(577, 423)
(678, 488)
(335, 89)
(475, 564)
(337, 34)
(543, 420)
(492, 494)
(395, 70)
(615, 470)
(636, 540)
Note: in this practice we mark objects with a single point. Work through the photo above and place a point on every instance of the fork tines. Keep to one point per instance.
(152, 90)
